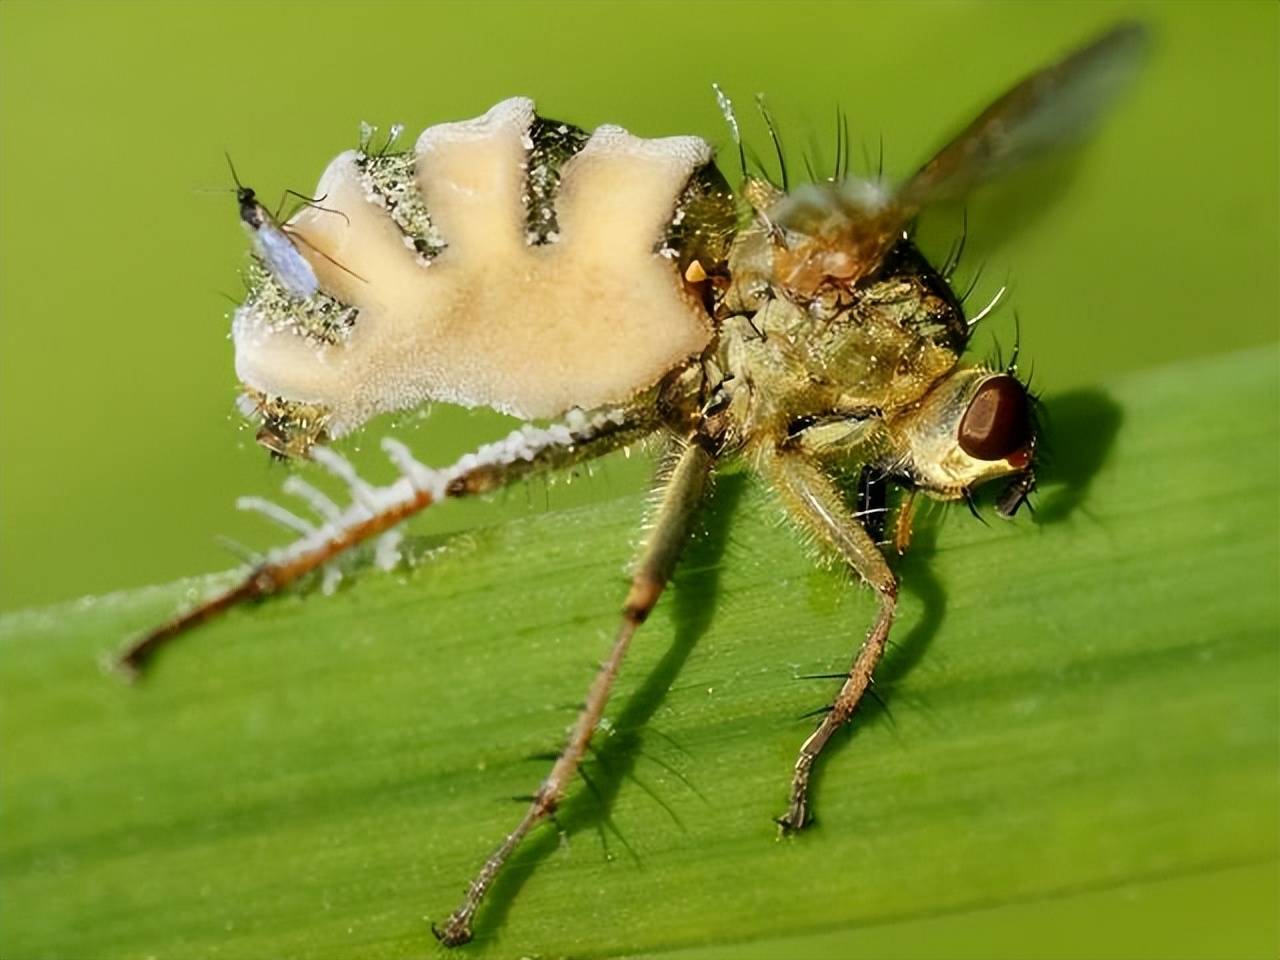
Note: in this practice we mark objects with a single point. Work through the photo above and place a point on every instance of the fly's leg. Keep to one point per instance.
(376, 510)
(815, 502)
(681, 496)
(904, 523)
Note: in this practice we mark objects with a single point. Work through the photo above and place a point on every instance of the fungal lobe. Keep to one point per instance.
(584, 307)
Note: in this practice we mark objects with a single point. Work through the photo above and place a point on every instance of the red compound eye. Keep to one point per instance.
(998, 421)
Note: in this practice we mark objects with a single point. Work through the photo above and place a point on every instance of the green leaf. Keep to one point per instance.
(1080, 758)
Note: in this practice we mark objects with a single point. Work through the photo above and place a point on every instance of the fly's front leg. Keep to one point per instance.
(684, 489)
(375, 511)
(814, 501)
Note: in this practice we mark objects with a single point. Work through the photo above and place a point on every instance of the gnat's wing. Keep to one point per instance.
(281, 257)
(843, 230)
(1053, 107)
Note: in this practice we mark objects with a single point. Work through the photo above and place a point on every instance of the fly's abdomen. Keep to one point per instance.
(509, 261)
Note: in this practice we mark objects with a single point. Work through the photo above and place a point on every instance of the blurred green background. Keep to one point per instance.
(120, 456)
(119, 453)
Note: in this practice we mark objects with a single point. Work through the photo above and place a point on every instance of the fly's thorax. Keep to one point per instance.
(827, 233)
(974, 425)
(879, 346)
(769, 382)
(507, 261)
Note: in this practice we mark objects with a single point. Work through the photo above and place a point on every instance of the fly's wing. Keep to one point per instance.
(289, 267)
(843, 230)
(1054, 107)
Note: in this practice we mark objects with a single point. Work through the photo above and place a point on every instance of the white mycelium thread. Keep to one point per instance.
(526, 444)
(279, 514)
(341, 468)
(321, 505)
(531, 330)
(386, 554)
(422, 478)
(332, 579)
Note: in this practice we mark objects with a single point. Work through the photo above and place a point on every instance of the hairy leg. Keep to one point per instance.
(376, 510)
(814, 501)
(681, 495)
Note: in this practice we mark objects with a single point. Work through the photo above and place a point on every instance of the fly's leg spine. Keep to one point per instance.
(815, 502)
(681, 496)
(375, 511)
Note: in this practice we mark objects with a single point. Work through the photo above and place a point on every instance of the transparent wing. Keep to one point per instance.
(284, 261)
(1053, 107)
(844, 229)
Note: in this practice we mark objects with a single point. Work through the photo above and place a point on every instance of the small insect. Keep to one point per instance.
(272, 244)
(619, 286)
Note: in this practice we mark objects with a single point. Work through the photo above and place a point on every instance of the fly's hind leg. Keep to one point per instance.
(374, 511)
(681, 495)
(814, 501)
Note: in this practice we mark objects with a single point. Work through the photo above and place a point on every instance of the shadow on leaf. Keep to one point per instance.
(1080, 430)
(614, 758)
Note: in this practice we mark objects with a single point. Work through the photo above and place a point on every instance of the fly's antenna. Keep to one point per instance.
(731, 118)
(234, 177)
(773, 136)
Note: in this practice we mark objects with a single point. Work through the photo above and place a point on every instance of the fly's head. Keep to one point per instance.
(974, 426)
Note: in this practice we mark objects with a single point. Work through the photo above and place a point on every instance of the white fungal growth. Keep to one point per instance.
(341, 468)
(591, 319)
(332, 580)
(273, 511)
(726, 109)
(422, 477)
(319, 503)
(386, 554)
(526, 444)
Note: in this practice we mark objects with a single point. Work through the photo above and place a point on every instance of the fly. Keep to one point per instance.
(618, 287)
